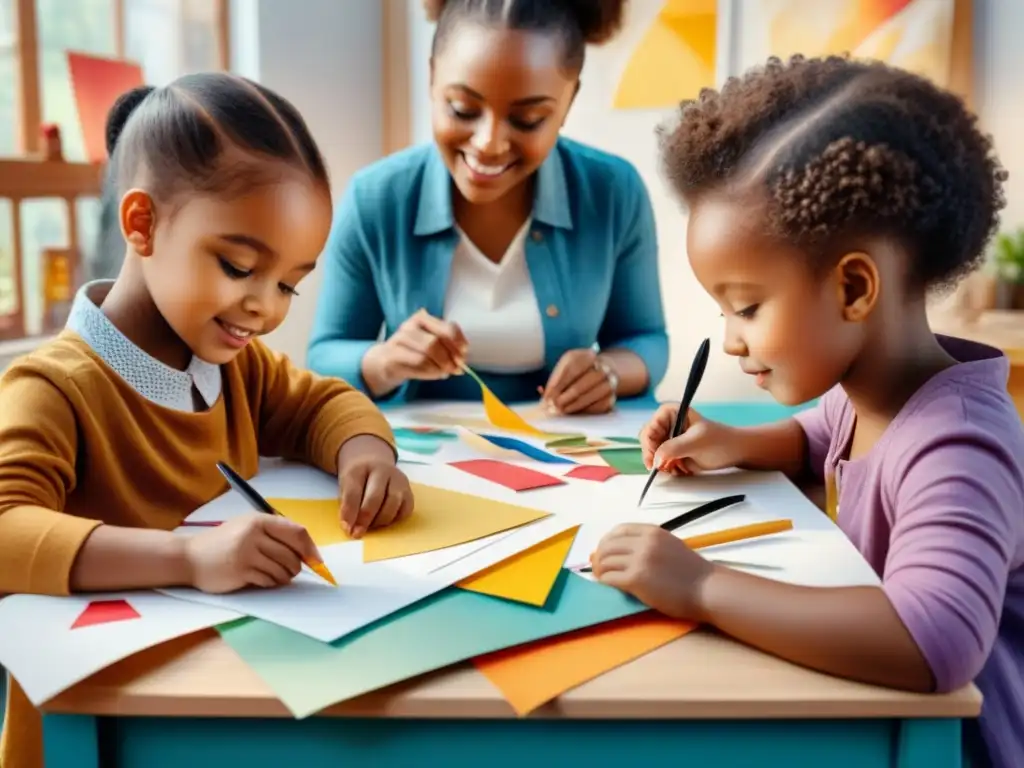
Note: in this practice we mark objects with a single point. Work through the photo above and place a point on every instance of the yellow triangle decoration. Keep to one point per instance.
(526, 577)
(674, 59)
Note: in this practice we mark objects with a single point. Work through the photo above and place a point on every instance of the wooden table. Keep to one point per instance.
(702, 700)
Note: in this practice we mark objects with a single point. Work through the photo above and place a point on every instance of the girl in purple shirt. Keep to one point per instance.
(826, 198)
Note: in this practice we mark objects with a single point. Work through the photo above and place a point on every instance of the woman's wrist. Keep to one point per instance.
(374, 369)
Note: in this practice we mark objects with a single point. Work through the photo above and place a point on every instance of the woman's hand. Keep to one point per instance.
(423, 348)
(581, 382)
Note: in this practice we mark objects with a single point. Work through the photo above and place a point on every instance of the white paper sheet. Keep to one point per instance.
(806, 558)
(770, 496)
(366, 592)
(46, 656)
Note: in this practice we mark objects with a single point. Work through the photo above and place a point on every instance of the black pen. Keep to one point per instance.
(690, 516)
(700, 362)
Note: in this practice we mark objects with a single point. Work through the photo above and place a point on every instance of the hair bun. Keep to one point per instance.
(433, 9)
(121, 111)
(599, 20)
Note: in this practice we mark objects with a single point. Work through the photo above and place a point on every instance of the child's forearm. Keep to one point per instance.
(779, 447)
(851, 632)
(115, 558)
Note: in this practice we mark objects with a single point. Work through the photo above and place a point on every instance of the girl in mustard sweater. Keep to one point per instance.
(110, 435)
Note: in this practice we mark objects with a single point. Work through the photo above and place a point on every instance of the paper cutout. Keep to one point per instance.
(97, 82)
(524, 448)
(50, 657)
(568, 442)
(527, 577)
(513, 477)
(499, 414)
(482, 445)
(626, 462)
(441, 518)
(532, 675)
(105, 612)
(674, 60)
(593, 472)
(449, 627)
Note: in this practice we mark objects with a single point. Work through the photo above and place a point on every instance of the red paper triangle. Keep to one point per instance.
(105, 612)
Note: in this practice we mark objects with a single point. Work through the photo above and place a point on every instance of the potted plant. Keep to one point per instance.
(1008, 261)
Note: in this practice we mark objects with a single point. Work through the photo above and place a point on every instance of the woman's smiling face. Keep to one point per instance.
(499, 100)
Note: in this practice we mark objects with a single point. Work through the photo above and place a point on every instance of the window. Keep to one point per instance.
(49, 211)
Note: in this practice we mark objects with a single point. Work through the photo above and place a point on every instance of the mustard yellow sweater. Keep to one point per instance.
(79, 447)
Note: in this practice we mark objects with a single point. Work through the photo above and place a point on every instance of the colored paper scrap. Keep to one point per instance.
(524, 448)
(577, 441)
(440, 518)
(526, 577)
(48, 658)
(511, 476)
(449, 627)
(593, 472)
(674, 60)
(532, 675)
(499, 414)
(626, 462)
(105, 612)
(482, 445)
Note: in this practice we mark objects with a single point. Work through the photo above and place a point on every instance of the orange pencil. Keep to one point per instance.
(740, 533)
(729, 535)
(260, 504)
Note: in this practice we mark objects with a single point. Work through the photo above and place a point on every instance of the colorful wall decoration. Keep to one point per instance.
(676, 56)
(674, 59)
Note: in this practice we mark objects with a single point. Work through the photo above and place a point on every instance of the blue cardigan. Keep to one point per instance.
(592, 256)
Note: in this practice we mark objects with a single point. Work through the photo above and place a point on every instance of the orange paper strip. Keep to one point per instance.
(532, 675)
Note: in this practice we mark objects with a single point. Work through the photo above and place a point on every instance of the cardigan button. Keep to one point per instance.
(552, 310)
(537, 235)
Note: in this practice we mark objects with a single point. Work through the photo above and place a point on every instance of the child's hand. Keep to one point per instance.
(703, 445)
(253, 550)
(374, 492)
(654, 566)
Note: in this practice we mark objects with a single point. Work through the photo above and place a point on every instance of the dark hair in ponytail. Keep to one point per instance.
(172, 139)
(577, 22)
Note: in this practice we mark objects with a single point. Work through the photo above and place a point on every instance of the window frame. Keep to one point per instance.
(29, 175)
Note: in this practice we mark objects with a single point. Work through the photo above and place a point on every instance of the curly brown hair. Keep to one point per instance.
(579, 22)
(845, 149)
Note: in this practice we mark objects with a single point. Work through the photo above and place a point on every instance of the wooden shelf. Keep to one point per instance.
(22, 179)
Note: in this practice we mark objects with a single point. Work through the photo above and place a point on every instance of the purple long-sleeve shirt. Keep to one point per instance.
(937, 508)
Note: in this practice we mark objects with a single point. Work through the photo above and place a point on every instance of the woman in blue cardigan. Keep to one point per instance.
(502, 246)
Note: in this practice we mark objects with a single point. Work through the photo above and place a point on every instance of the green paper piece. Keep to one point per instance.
(417, 444)
(624, 440)
(452, 626)
(567, 442)
(626, 462)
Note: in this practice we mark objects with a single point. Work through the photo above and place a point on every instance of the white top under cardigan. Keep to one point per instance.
(495, 306)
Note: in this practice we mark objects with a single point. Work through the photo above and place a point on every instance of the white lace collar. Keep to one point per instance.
(152, 379)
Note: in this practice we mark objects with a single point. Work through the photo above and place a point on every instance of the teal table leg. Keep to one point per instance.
(71, 740)
(402, 743)
(924, 743)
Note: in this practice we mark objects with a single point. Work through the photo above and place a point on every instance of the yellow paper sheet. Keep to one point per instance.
(526, 577)
(674, 59)
(441, 518)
